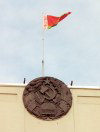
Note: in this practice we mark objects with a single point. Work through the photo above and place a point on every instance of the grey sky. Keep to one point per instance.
(72, 48)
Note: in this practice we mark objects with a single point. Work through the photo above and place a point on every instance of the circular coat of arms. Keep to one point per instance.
(47, 98)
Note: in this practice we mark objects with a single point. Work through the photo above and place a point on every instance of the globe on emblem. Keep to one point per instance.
(47, 98)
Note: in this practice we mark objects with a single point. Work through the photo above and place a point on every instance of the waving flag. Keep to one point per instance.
(51, 21)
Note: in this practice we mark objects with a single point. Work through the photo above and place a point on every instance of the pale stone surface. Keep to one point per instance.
(84, 115)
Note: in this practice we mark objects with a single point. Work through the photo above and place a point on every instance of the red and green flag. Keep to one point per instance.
(51, 21)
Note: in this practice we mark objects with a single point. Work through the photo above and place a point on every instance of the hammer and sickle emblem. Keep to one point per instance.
(47, 98)
(48, 91)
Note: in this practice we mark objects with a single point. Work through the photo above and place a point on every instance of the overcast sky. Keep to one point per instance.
(72, 48)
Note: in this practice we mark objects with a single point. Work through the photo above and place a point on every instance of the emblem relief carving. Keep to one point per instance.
(47, 98)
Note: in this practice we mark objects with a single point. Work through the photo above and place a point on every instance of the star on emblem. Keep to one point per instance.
(47, 82)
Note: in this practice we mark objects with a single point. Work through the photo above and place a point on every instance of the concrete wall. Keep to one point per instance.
(84, 115)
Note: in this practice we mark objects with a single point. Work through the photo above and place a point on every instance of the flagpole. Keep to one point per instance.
(43, 31)
(43, 55)
(52, 23)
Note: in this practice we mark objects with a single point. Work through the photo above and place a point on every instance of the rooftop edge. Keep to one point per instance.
(71, 87)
